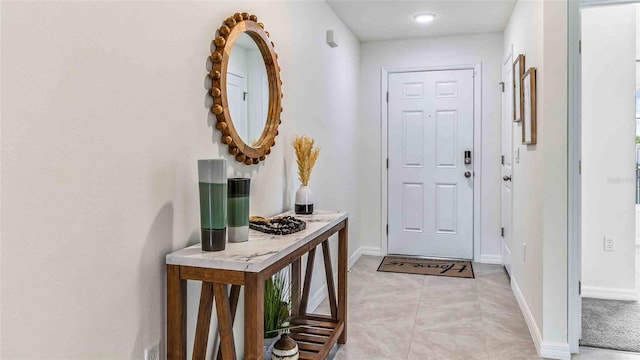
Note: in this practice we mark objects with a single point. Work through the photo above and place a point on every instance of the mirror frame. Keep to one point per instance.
(227, 34)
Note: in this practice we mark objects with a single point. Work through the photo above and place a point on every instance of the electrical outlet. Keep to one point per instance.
(152, 352)
(609, 243)
(516, 156)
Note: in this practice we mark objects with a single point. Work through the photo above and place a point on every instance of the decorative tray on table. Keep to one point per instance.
(284, 225)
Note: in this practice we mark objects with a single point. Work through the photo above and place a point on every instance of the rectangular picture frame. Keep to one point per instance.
(529, 112)
(518, 73)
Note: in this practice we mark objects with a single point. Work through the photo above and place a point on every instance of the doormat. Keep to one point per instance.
(436, 267)
(611, 324)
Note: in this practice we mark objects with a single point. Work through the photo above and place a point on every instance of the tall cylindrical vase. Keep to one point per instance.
(212, 176)
(238, 200)
(304, 201)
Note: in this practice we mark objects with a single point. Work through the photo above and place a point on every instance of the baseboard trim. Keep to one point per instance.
(528, 316)
(490, 259)
(353, 259)
(552, 350)
(545, 349)
(317, 298)
(370, 251)
(609, 293)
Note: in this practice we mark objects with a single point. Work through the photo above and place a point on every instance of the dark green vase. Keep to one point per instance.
(238, 209)
(212, 175)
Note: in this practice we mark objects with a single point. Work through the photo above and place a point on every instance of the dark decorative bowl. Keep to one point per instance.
(279, 226)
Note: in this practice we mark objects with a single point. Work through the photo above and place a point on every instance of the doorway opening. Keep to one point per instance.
(609, 177)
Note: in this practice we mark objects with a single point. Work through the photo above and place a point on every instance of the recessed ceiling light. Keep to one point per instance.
(424, 17)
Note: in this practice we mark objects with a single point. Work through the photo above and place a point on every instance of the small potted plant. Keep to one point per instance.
(276, 310)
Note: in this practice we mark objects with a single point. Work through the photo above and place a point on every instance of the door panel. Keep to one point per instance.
(446, 126)
(413, 138)
(413, 207)
(446, 201)
(430, 127)
(507, 156)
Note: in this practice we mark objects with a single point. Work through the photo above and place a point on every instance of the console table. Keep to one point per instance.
(249, 264)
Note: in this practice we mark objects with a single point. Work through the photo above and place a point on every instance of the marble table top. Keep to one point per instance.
(262, 250)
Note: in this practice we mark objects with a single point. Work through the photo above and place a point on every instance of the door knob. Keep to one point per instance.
(506, 178)
(467, 174)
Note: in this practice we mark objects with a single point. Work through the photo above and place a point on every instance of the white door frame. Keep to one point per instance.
(574, 263)
(477, 147)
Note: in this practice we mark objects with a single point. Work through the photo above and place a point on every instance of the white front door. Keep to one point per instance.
(237, 98)
(430, 187)
(507, 163)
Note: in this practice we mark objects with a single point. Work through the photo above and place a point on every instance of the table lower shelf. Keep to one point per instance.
(315, 335)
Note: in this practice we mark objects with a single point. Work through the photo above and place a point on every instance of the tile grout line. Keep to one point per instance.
(415, 319)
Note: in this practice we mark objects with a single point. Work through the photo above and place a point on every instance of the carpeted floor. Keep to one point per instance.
(611, 324)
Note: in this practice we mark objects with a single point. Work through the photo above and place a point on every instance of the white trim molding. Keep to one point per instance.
(477, 147)
(552, 350)
(363, 250)
(528, 316)
(490, 259)
(353, 259)
(317, 298)
(609, 293)
(545, 349)
(574, 184)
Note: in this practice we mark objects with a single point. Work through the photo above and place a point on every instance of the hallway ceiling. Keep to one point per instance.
(387, 20)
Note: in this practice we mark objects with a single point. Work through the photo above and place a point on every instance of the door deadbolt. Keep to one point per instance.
(467, 157)
(467, 174)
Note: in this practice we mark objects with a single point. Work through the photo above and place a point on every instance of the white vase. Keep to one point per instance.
(304, 201)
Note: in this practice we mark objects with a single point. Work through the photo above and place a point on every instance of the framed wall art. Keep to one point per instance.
(518, 72)
(529, 111)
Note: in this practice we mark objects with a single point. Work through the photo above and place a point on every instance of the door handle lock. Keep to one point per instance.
(506, 178)
(467, 174)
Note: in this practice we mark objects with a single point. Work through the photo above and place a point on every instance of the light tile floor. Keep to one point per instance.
(443, 318)
(403, 316)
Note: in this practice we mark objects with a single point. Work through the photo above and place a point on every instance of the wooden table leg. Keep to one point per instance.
(233, 304)
(331, 288)
(225, 322)
(204, 321)
(296, 279)
(176, 314)
(253, 317)
(306, 289)
(343, 255)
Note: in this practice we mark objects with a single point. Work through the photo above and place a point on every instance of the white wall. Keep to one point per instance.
(608, 149)
(539, 255)
(105, 114)
(553, 117)
(453, 50)
(523, 34)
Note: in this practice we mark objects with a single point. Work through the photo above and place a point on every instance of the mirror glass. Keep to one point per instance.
(247, 89)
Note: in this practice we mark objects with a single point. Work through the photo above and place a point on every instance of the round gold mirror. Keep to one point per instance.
(246, 88)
